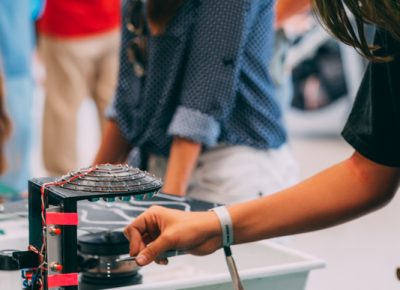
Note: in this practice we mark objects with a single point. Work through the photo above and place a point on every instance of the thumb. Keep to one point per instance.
(152, 251)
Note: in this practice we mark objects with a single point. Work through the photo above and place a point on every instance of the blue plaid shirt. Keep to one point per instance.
(206, 80)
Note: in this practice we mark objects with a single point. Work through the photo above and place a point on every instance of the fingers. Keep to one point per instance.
(136, 242)
(138, 234)
(161, 261)
(159, 229)
(146, 254)
(145, 243)
(153, 250)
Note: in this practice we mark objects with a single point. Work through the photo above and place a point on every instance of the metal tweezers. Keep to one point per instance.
(168, 254)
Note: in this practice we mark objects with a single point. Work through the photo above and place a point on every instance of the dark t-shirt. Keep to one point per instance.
(373, 128)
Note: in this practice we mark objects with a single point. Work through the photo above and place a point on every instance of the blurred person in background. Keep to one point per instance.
(197, 98)
(79, 45)
(285, 11)
(5, 131)
(364, 182)
(16, 52)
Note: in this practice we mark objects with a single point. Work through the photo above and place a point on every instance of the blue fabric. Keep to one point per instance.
(16, 37)
(18, 147)
(196, 125)
(37, 8)
(16, 47)
(207, 80)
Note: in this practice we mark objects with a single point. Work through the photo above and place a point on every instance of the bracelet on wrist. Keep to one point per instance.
(226, 225)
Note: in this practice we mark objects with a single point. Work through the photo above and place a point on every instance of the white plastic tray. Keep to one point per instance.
(15, 238)
(262, 265)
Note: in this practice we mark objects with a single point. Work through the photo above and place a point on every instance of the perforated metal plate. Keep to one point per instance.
(109, 178)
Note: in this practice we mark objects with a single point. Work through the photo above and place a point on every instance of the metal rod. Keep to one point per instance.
(167, 254)
(126, 259)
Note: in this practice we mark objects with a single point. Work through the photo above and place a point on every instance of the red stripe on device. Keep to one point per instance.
(61, 218)
(62, 280)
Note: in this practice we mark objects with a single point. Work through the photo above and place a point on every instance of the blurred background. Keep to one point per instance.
(317, 83)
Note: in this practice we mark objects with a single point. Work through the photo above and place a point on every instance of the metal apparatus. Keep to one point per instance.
(53, 217)
(101, 200)
(100, 264)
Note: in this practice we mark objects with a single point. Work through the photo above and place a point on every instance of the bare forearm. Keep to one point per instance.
(343, 192)
(113, 148)
(181, 162)
(285, 9)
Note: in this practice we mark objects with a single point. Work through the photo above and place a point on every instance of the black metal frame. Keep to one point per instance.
(67, 201)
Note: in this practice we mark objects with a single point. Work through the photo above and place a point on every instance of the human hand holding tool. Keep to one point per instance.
(160, 229)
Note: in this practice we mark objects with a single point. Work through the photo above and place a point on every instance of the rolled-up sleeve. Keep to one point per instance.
(195, 125)
(211, 71)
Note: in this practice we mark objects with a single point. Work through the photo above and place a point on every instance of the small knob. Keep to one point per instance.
(54, 231)
(56, 267)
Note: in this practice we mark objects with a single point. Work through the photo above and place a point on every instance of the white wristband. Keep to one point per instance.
(226, 225)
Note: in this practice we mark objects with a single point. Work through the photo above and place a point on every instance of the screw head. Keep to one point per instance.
(55, 231)
(56, 267)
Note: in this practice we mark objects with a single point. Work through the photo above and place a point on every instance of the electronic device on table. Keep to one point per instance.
(76, 223)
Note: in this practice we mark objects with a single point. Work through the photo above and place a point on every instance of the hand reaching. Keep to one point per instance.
(160, 229)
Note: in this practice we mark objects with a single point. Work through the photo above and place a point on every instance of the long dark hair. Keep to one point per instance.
(335, 17)
(160, 12)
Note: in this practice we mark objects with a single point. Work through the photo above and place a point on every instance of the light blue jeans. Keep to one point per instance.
(18, 147)
(16, 48)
